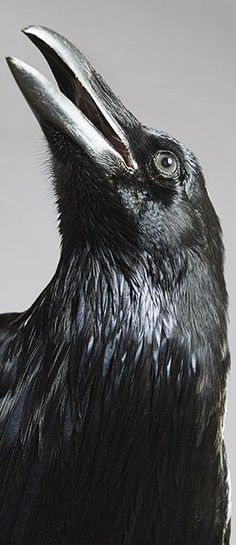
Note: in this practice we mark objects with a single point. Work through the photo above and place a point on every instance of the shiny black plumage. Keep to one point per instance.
(113, 382)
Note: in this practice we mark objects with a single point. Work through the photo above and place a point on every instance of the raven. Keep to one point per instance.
(113, 382)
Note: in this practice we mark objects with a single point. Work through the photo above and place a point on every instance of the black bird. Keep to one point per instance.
(113, 383)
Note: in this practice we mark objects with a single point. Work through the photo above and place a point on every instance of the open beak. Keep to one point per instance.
(82, 105)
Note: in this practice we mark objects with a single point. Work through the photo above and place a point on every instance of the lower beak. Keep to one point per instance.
(82, 105)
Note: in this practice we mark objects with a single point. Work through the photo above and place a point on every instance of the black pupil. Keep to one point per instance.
(166, 161)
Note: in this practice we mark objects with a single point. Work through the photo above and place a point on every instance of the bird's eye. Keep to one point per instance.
(167, 163)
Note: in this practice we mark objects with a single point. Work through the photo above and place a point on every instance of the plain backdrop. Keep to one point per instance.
(173, 65)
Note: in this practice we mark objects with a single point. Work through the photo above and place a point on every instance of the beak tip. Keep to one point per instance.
(31, 30)
(26, 30)
(11, 61)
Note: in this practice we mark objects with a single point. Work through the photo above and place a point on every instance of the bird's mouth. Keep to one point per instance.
(82, 105)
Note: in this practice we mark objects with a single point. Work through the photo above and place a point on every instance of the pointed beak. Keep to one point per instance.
(81, 104)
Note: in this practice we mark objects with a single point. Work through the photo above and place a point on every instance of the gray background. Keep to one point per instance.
(173, 65)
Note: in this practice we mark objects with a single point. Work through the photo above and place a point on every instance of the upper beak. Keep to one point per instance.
(82, 105)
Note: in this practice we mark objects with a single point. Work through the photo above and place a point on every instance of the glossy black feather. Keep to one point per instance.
(113, 382)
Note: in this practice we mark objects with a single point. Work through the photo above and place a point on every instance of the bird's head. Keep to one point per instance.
(119, 185)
